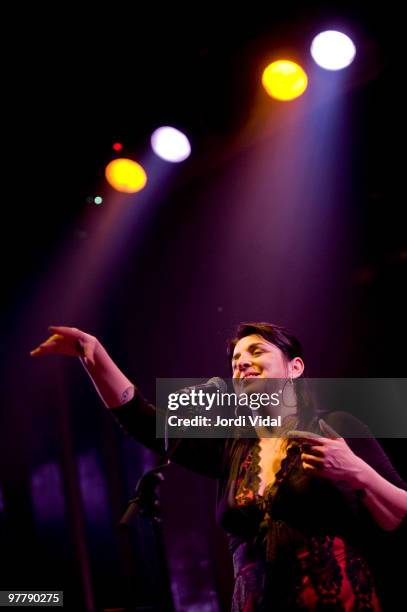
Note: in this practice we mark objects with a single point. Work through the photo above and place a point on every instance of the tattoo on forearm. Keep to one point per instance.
(127, 395)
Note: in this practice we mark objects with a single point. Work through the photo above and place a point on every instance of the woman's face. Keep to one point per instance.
(256, 357)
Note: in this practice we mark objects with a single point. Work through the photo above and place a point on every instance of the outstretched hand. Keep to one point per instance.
(68, 341)
(328, 456)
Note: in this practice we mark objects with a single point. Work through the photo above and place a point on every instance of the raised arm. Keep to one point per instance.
(111, 384)
(131, 410)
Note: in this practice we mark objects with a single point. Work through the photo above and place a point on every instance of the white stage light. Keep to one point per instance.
(170, 144)
(333, 50)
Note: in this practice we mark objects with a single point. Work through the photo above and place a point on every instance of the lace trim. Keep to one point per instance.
(361, 579)
(287, 463)
(248, 483)
(322, 558)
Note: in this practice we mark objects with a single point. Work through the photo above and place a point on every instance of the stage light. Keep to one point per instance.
(117, 146)
(284, 80)
(98, 200)
(170, 144)
(126, 175)
(333, 50)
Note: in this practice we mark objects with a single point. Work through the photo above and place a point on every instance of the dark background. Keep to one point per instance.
(289, 213)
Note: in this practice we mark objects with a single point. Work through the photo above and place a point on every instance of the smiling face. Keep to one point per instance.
(254, 356)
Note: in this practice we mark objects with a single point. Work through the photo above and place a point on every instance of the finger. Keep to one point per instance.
(50, 342)
(307, 467)
(71, 332)
(36, 351)
(52, 339)
(315, 451)
(327, 429)
(311, 460)
(42, 349)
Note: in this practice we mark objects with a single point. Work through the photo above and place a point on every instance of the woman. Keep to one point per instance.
(301, 508)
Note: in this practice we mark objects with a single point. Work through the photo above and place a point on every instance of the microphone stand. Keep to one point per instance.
(146, 503)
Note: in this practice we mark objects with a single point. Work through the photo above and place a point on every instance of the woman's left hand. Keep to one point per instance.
(329, 457)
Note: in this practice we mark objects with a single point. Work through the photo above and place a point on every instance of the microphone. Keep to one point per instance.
(212, 385)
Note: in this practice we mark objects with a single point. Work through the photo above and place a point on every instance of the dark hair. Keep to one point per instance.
(276, 334)
(290, 346)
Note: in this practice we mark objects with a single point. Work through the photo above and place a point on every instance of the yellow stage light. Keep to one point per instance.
(284, 80)
(126, 175)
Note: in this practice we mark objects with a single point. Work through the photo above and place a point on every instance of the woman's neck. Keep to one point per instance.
(288, 416)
